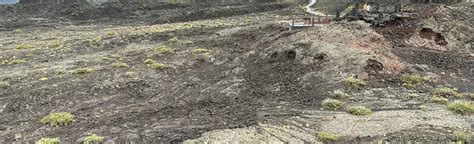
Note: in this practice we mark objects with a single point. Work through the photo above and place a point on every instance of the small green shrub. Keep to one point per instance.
(461, 107)
(412, 80)
(80, 71)
(24, 46)
(94, 41)
(446, 92)
(164, 50)
(471, 96)
(440, 100)
(331, 104)
(93, 139)
(359, 110)
(58, 119)
(131, 75)
(355, 82)
(107, 59)
(4, 84)
(200, 50)
(120, 65)
(174, 40)
(48, 141)
(462, 136)
(327, 137)
(339, 94)
(17, 61)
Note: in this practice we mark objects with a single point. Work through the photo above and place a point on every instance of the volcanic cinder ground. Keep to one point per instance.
(225, 73)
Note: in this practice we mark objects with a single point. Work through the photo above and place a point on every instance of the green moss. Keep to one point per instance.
(157, 66)
(174, 40)
(331, 104)
(446, 92)
(107, 59)
(188, 42)
(48, 141)
(132, 75)
(95, 41)
(4, 84)
(164, 50)
(80, 71)
(120, 65)
(355, 82)
(461, 107)
(462, 136)
(149, 61)
(24, 46)
(43, 79)
(93, 139)
(339, 94)
(359, 110)
(17, 61)
(412, 80)
(327, 137)
(440, 100)
(58, 119)
(200, 50)
(56, 45)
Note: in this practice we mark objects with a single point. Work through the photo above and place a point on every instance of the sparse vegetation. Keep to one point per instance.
(4, 84)
(174, 40)
(120, 65)
(188, 42)
(107, 59)
(24, 46)
(93, 139)
(55, 45)
(327, 137)
(339, 94)
(155, 65)
(446, 92)
(80, 71)
(331, 104)
(43, 79)
(359, 110)
(200, 50)
(131, 75)
(162, 49)
(48, 141)
(471, 96)
(355, 82)
(94, 41)
(440, 100)
(462, 136)
(461, 107)
(412, 80)
(58, 119)
(17, 61)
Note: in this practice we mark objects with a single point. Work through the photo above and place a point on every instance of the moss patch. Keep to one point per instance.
(412, 80)
(359, 110)
(155, 65)
(462, 136)
(58, 119)
(93, 139)
(355, 82)
(440, 100)
(48, 141)
(4, 84)
(446, 92)
(164, 50)
(331, 104)
(24, 46)
(120, 65)
(80, 71)
(200, 50)
(17, 61)
(461, 107)
(327, 137)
